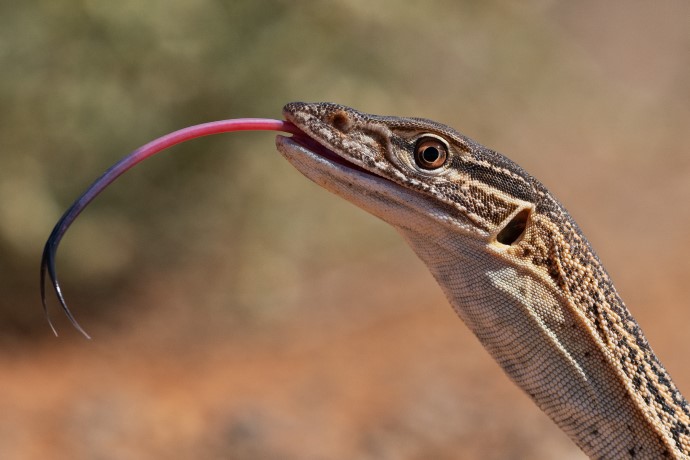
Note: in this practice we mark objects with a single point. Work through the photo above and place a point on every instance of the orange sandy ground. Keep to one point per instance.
(402, 379)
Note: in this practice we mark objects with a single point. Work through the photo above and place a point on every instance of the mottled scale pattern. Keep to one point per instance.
(573, 265)
(481, 202)
(543, 306)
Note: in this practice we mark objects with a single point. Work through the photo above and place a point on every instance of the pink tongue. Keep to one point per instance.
(206, 129)
(140, 154)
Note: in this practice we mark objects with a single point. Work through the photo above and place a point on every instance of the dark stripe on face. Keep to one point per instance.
(498, 179)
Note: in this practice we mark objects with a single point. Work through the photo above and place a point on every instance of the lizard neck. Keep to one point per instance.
(549, 345)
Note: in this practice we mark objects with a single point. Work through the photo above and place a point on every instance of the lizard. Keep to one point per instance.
(512, 262)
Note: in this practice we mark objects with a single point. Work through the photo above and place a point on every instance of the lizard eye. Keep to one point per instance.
(430, 153)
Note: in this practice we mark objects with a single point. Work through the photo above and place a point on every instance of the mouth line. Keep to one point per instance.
(312, 145)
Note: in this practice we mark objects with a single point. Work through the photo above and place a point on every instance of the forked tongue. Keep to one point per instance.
(137, 156)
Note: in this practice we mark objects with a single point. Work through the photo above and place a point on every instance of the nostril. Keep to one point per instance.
(341, 121)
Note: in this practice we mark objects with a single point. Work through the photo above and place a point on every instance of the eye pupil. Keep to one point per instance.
(430, 153)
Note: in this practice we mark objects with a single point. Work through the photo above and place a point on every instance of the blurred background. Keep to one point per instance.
(239, 311)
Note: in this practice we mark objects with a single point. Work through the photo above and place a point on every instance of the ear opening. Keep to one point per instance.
(515, 228)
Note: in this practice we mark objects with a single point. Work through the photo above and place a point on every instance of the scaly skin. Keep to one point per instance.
(539, 300)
